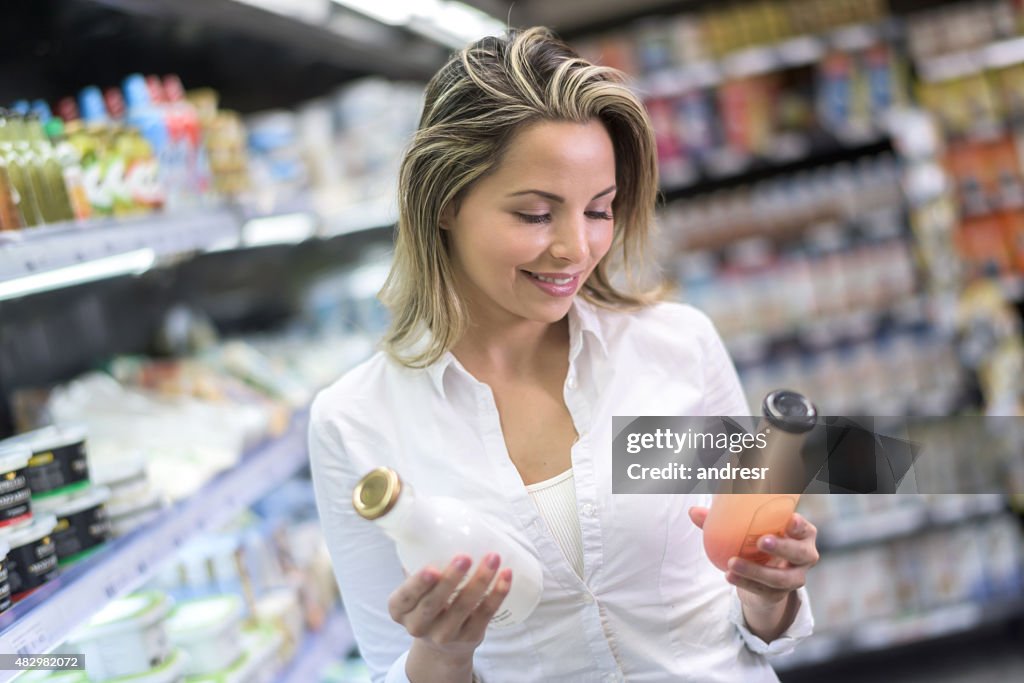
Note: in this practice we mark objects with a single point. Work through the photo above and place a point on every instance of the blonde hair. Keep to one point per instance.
(473, 107)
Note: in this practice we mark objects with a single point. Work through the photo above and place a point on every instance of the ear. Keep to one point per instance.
(447, 216)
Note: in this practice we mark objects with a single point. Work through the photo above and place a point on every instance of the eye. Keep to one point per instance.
(534, 218)
(599, 215)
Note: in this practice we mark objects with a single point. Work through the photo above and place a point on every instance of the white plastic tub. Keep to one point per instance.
(209, 631)
(171, 670)
(58, 464)
(126, 638)
(5, 584)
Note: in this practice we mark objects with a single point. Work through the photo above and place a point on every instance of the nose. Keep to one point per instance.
(570, 241)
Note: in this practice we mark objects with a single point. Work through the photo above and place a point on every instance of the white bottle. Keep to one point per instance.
(432, 530)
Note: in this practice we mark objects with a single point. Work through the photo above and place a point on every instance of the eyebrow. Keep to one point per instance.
(556, 198)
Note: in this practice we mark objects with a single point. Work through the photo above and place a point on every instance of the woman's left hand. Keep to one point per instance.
(762, 587)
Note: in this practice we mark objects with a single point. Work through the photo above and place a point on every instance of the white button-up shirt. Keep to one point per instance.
(650, 607)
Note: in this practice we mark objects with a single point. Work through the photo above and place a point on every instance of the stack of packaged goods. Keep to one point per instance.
(118, 152)
(234, 607)
(728, 88)
(979, 103)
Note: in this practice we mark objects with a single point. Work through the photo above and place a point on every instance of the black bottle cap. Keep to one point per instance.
(790, 411)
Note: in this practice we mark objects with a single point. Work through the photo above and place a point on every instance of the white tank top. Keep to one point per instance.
(555, 499)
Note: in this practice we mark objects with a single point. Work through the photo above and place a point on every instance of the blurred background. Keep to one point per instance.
(196, 213)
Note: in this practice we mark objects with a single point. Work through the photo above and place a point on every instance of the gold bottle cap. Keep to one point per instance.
(376, 493)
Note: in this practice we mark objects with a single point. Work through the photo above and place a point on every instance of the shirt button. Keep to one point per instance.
(571, 383)
(611, 677)
(588, 510)
(587, 599)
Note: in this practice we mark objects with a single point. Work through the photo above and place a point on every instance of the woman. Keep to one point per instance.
(511, 349)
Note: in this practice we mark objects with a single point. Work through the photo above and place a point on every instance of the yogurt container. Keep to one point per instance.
(125, 475)
(82, 523)
(168, 671)
(32, 560)
(126, 638)
(262, 643)
(5, 584)
(58, 463)
(15, 494)
(126, 514)
(209, 631)
(239, 671)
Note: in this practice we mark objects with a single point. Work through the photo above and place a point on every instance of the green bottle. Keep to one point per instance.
(57, 200)
(18, 170)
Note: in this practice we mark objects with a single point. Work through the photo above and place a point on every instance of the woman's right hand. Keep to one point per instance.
(449, 632)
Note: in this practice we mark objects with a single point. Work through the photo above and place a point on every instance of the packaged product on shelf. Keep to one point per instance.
(281, 608)
(32, 560)
(133, 501)
(15, 494)
(262, 643)
(22, 186)
(82, 522)
(208, 630)
(58, 465)
(5, 583)
(127, 637)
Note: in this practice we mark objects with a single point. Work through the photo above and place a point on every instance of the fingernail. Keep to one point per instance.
(493, 560)
(462, 563)
(428, 576)
(768, 542)
(738, 565)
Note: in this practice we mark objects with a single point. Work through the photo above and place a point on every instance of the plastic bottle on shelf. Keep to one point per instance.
(431, 530)
(10, 199)
(51, 172)
(103, 174)
(151, 167)
(19, 173)
(70, 159)
(737, 520)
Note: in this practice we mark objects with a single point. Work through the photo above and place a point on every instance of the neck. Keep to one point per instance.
(521, 347)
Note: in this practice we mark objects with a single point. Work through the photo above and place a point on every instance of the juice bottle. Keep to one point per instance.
(51, 172)
(70, 159)
(18, 173)
(737, 520)
(430, 530)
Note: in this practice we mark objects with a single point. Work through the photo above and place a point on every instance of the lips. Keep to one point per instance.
(554, 284)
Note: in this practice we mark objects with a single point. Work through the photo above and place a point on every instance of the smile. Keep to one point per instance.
(554, 284)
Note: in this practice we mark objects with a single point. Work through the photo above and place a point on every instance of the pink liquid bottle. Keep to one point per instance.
(744, 511)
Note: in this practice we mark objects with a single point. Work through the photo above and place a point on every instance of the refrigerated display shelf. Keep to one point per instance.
(880, 635)
(38, 250)
(332, 642)
(907, 520)
(45, 252)
(46, 617)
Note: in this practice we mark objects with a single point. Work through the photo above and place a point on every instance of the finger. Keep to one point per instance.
(481, 616)
(799, 528)
(436, 599)
(405, 598)
(771, 594)
(698, 515)
(772, 577)
(469, 596)
(796, 552)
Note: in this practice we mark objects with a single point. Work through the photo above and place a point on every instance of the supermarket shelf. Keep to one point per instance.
(885, 634)
(819, 333)
(824, 153)
(995, 55)
(332, 642)
(45, 618)
(906, 521)
(41, 249)
(788, 54)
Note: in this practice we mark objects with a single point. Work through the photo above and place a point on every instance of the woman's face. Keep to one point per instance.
(528, 235)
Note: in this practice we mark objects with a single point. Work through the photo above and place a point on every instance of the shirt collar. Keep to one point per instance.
(584, 328)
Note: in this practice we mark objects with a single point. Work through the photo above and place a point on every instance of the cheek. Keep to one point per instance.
(601, 241)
